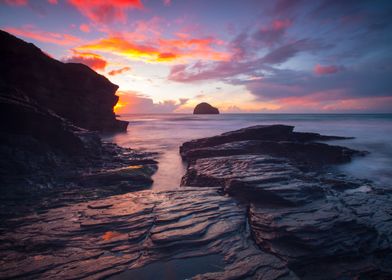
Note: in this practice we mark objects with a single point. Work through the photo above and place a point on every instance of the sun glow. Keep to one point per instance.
(118, 106)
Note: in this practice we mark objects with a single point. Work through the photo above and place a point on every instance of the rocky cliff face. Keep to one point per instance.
(50, 113)
(71, 90)
(44, 157)
(205, 108)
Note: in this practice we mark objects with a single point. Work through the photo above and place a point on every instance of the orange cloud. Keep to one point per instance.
(92, 60)
(119, 71)
(103, 11)
(85, 28)
(134, 103)
(122, 47)
(195, 48)
(163, 50)
(44, 36)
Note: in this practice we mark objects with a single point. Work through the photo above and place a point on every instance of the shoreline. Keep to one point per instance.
(268, 194)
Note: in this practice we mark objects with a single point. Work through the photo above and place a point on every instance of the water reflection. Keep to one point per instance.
(177, 269)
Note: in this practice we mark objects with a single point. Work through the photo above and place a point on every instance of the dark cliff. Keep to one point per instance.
(205, 108)
(50, 113)
(71, 90)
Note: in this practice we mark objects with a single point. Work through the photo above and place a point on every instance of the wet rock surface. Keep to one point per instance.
(275, 140)
(101, 238)
(247, 212)
(322, 225)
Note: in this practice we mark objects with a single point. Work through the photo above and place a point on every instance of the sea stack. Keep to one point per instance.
(205, 108)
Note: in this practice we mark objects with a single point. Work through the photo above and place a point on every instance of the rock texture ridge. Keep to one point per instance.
(250, 213)
(101, 238)
(205, 108)
(72, 91)
(321, 224)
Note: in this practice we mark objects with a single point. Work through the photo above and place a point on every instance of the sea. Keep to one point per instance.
(164, 133)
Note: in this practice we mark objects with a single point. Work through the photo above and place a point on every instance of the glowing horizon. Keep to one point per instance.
(240, 56)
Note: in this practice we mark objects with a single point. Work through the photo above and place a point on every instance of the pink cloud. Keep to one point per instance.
(280, 24)
(53, 2)
(379, 104)
(44, 36)
(102, 11)
(85, 28)
(16, 2)
(325, 70)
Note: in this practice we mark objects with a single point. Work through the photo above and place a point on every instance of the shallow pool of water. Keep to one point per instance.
(176, 269)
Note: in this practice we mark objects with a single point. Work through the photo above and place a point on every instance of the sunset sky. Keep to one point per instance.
(261, 56)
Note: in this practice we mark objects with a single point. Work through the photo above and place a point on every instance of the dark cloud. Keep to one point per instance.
(272, 34)
(227, 69)
(285, 52)
(330, 50)
(119, 71)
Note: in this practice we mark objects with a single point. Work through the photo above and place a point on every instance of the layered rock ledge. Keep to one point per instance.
(250, 213)
(106, 237)
(321, 224)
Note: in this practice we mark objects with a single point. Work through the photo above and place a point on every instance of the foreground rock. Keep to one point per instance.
(112, 235)
(50, 113)
(45, 161)
(284, 218)
(275, 140)
(321, 224)
(205, 108)
(71, 90)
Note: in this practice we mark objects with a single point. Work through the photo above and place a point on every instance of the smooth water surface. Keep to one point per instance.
(176, 269)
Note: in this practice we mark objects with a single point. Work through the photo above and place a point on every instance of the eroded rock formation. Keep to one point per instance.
(320, 224)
